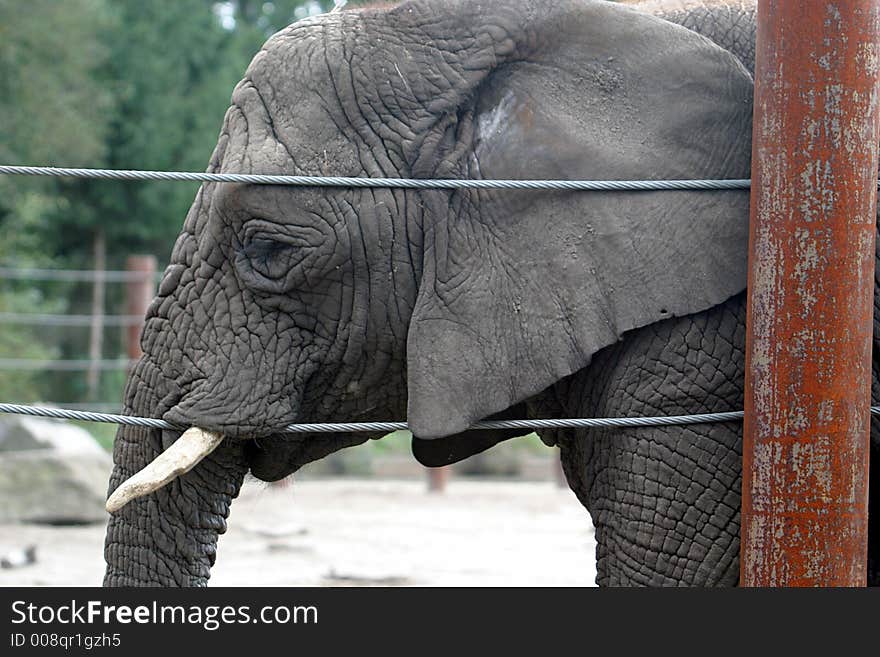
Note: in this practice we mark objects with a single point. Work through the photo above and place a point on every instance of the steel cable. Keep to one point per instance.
(355, 427)
(400, 183)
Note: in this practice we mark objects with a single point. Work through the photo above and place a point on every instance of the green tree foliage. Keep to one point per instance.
(55, 110)
(139, 84)
(52, 103)
(170, 71)
(54, 106)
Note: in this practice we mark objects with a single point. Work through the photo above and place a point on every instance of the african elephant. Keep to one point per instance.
(291, 304)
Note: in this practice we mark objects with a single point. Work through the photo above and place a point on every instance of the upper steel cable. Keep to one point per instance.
(401, 183)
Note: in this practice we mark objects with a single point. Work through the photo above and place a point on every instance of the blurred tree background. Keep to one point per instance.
(114, 84)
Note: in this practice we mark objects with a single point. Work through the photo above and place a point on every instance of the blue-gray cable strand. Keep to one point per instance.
(63, 365)
(346, 427)
(85, 416)
(43, 319)
(402, 183)
(75, 275)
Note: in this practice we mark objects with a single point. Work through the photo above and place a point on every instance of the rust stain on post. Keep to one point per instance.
(811, 276)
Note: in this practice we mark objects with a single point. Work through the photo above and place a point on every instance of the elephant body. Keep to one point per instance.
(732, 25)
(307, 305)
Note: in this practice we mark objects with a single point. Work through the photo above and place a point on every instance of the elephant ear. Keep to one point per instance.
(520, 289)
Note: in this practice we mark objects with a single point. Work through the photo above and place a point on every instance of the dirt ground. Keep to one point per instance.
(339, 532)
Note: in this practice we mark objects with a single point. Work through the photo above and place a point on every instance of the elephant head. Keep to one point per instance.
(290, 304)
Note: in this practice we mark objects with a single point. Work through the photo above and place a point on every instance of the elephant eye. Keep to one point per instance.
(263, 260)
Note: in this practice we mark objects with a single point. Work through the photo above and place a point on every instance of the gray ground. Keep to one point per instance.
(362, 532)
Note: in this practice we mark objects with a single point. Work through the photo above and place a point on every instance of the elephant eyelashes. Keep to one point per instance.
(263, 262)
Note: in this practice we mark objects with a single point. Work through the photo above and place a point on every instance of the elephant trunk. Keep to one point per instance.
(169, 537)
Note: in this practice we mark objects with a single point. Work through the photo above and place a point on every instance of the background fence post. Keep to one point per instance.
(814, 185)
(139, 292)
(438, 478)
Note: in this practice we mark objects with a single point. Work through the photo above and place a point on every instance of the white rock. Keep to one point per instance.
(51, 472)
(19, 433)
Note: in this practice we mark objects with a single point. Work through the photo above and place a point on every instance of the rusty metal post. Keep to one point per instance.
(139, 292)
(814, 186)
(437, 479)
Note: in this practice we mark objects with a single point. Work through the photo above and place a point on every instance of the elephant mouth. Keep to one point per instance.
(278, 455)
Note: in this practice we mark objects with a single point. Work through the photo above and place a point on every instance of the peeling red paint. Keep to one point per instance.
(811, 272)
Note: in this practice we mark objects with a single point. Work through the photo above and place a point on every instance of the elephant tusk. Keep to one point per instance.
(181, 457)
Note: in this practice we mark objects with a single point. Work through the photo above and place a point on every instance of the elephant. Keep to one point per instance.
(290, 304)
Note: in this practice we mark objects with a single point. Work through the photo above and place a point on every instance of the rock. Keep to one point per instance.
(19, 558)
(19, 433)
(282, 530)
(333, 578)
(51, 472)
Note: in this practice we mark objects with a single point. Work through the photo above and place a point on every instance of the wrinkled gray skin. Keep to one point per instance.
(290, 304)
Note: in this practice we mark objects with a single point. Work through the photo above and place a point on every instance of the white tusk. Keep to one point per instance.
(186, 452)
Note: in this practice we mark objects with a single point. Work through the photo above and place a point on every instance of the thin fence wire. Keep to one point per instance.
(90, 407)
(388, 427)
(395, 183)
(345, 427)
(69, 320)
(73, 275)
(338, 181)
(63, 365)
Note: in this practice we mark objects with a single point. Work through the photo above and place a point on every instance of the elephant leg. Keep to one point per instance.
(665, 500)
